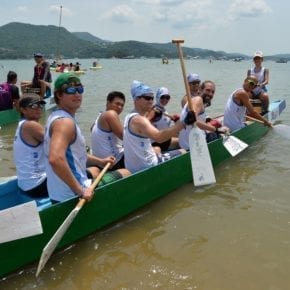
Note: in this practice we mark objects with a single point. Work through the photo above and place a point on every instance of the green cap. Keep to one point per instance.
(66, 79)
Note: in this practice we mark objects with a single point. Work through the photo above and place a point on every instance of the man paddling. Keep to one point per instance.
(139, 131)
(65, 148)
(238, 105)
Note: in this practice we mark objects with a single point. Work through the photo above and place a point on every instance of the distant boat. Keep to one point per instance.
(281, 60)
(165, 60)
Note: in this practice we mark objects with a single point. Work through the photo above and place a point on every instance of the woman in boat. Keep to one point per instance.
(199, 104)
(193, 80)
(161, 119)
(107, 131)
(64, 146)
(262, 75)
(139, 131)
(28, 148)
(238, 105)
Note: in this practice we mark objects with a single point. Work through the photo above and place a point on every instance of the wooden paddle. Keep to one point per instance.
(52, 244)
(19, 222)
(202, 169)
(282, 129)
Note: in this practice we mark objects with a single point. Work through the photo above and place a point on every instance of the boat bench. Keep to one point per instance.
(11, 195)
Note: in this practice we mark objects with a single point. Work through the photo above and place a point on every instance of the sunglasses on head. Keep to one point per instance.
(165, 97)
(74, 90)
(36, 106)
(252, 83)
(147, 98)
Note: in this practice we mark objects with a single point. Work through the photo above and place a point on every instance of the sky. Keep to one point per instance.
(243, 26)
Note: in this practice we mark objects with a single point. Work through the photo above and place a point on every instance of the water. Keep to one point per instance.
(231, 235)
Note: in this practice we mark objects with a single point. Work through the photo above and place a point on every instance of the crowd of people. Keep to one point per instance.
(56, 162)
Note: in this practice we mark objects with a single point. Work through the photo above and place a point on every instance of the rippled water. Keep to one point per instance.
(231, 235)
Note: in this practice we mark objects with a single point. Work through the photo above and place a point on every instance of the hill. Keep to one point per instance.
(21, 40)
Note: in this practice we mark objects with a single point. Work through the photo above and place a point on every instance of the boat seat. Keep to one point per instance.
(42, 202)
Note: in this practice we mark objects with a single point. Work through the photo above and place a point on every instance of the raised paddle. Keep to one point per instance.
(281, 129)
(202, 169)
(52, 244)
(19, 222)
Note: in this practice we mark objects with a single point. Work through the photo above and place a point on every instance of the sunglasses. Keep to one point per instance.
(195, 83)
(252, 83)
(165, 97)
(36, 106)
(147, 98)
(73, 90)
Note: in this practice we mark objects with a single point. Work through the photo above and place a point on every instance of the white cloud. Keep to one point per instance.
(248, 8)
(22, 9)
(121, 13)
(65, 11)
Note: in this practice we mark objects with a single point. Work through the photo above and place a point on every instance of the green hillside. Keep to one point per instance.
(20, 41)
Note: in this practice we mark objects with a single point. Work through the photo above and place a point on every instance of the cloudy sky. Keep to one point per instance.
(230, 25)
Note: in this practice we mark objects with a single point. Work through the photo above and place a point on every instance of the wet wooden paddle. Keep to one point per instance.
(202, 169)
(52, 244)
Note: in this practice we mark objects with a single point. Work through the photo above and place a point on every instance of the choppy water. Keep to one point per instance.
(231, 235)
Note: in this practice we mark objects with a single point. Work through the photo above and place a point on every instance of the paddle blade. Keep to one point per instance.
(234, 145)
(19, 222)
(282, 130)
(53, 242)
(202, 169)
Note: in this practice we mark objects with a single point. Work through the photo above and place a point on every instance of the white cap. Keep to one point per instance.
(258, 54)
(193, 77)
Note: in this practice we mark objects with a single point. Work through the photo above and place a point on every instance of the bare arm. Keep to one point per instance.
(110, 120)
(243, 98)
(142, 126)
(32, 132)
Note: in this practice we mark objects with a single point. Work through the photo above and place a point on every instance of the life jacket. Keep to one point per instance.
(6, 101)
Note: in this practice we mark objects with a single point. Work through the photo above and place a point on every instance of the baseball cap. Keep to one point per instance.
(66, 79)
(258, 54)
(193, 77)
(30, 100)
(38, 54)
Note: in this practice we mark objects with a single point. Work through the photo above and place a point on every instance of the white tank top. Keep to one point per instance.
(105, 143)
(260, 77)
(29, 161)
(76, 157)
(183, 137)
(138, 151)
(234, 115)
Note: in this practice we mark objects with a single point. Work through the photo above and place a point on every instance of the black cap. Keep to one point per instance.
(30, 100)
(38, 54)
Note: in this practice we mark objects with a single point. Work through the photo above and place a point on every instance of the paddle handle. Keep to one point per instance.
(180, 53)
(254, 119)
(82, 201)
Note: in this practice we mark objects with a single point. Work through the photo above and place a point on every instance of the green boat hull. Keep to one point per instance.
(9, 116)
(114, 201)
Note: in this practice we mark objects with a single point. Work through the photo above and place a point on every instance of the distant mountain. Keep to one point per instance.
(89, 37)
(21, 40)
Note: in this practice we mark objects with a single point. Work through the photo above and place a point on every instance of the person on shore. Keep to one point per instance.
(160, 118)
(9, 92)
(193, 80)
(199, 104)
(262, 75)
(65, 149)
(40, 83)
(238, 105)
(28, 148)
(107, 131)
(139, 131)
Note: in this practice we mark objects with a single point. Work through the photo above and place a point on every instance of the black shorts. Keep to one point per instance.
(164, 145)
(38, 191)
